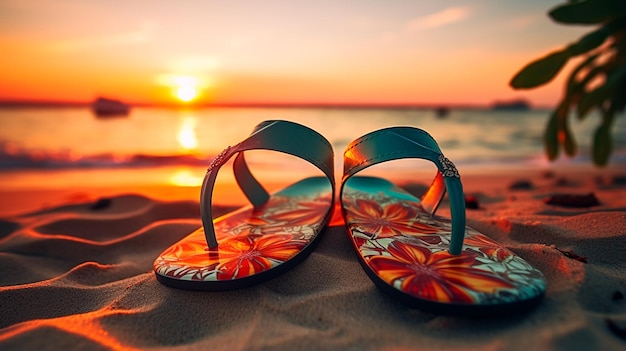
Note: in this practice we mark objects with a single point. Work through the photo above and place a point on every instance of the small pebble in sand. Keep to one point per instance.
(619, 180)
(521, 185)
(563, 182)
(101, 204)
(471, 202)
(573, 200)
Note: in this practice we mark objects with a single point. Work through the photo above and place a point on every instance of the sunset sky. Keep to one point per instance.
(339, 51)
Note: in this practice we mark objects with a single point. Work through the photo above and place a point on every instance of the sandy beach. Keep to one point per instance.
(76, 273)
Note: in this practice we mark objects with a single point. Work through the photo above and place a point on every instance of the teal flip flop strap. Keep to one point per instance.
(408, 142)
(276, 135)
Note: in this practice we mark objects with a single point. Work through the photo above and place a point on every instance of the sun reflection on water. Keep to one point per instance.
(185, 178)
(186, 137)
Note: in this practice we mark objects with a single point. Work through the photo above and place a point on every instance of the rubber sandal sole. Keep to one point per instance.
(403, 249)
(256, 244)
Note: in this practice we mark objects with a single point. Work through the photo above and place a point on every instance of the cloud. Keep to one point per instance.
(526, 21)
(438, 19)
(144, 33)
(196, 63)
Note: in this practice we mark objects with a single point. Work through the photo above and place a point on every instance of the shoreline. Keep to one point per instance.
(22, 192)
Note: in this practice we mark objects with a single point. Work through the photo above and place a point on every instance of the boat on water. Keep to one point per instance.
(442, 112)
(105, 107)
(513, 105)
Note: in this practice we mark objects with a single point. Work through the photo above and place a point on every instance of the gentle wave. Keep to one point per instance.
(39, 160)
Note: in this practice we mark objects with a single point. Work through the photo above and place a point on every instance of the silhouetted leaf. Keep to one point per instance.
(618, 100)
(564, 133)
(540, 71)
(588, 11)
(574, 88)
(579, 88)
(602, 145)
(569, 143)
(598, 96)
(551, 137)
(619, 97)
(592, 99)
(571, 82)
(589, 42)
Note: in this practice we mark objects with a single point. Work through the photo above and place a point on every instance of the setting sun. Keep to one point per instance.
(186, 93)
(184, 88)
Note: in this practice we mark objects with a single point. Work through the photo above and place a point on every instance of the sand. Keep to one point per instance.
(76, 274)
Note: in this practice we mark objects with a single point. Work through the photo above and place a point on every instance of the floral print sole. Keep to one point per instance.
(251, 240)
(407, 249)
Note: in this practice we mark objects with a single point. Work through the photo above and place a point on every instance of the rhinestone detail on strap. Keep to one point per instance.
(219, 160)
(449, 169)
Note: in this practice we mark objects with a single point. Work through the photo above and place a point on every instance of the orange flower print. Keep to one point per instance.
(488, 247)
(248, 222)
(304, 214)
(436, 276)
(385, 221)
(242, 256)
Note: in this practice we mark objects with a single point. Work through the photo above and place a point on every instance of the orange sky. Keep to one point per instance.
(372, 52)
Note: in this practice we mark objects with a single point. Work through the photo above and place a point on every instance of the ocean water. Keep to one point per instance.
(38, 142)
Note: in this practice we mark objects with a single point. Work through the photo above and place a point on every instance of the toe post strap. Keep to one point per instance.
(275, 135)
(408, 142)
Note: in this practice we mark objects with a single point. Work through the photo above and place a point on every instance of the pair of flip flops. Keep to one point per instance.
(436, 264)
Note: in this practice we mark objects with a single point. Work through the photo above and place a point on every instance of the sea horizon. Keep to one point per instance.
(37, 103)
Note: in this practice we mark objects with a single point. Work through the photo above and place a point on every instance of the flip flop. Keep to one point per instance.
(430, 262)
(261, 240)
